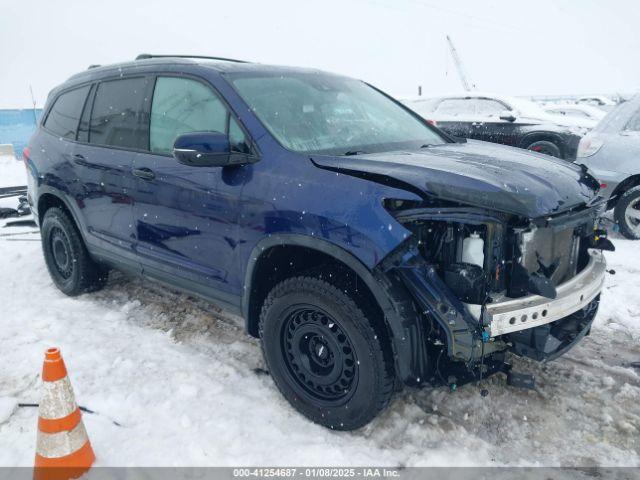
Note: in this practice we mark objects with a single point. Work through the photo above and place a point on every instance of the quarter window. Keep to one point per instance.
(237, 138)
(117, 118)
(65, 114)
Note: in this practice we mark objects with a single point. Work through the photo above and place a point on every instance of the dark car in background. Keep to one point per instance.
(365, 248)
(501, 119)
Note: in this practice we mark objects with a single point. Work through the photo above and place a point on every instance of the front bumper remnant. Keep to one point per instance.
(532, 311)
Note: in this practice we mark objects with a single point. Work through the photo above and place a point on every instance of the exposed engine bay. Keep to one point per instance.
(486, 283)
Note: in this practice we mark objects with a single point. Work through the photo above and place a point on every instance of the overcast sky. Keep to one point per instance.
(515, 47)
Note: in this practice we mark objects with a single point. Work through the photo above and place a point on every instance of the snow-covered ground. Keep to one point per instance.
(184, 383)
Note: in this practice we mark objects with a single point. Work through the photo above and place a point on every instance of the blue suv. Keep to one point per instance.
(367, 249)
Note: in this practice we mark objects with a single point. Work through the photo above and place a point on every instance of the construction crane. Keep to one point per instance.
(464, 79)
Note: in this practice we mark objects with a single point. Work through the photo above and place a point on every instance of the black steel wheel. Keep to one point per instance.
(324, 354)
(319, 356)
(70, 266)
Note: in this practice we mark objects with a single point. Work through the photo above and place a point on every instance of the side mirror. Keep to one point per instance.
(206, 149)
(507, 117)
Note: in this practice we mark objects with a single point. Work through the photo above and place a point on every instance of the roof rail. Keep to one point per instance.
(144, 56)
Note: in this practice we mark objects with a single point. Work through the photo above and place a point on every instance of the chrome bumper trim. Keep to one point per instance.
(528, 312)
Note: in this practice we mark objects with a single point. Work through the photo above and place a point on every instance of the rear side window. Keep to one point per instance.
(65, 114)
(118, 118)
(182, 105)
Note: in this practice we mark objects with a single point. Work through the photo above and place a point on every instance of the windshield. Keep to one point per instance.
(321, 113)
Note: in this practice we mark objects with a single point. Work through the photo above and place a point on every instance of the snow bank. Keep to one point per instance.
(183, 381)
(12, 172)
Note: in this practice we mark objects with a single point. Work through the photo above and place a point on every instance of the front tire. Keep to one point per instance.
(546, 147)
(70, 266)
(627, 213)
(324, 354)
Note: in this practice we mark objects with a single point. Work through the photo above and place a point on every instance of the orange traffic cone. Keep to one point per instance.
(63, 449)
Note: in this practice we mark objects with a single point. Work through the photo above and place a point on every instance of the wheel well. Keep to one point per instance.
(284, 261)
(626, 184)
(48, 200)
(543, 137)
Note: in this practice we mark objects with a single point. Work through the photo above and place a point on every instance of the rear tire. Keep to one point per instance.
(324, 354)
(627, 213)
(546, 147)
(70, 266)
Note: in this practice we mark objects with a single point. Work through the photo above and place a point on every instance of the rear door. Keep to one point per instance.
(112, 129)
(186, 217)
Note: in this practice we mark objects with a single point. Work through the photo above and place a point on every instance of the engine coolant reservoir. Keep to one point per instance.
(473, 250)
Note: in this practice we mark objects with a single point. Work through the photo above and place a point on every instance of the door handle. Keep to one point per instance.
(144, 173)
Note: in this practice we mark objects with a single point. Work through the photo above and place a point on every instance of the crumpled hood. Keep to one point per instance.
(480, 174)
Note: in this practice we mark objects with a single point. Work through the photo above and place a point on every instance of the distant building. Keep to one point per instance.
(17, 125)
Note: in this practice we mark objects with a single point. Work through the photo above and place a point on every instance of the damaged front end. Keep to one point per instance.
(472, 284)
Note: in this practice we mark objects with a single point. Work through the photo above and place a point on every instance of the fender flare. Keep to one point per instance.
(395, 324)
(45, 189)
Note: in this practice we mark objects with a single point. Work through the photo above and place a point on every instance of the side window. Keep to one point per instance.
(182, 105)
(117, 118)
(455, 107)
(489, 108)
(65, 114)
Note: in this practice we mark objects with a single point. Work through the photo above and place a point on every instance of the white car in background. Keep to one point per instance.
(600, 101)
(576, 111)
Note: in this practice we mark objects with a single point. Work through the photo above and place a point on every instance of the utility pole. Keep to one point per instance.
(33, 101)
(464, 79)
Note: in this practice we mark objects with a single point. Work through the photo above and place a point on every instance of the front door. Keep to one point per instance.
(186, 217)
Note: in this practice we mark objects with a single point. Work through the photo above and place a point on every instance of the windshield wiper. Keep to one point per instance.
(354, 152)
(427, 145)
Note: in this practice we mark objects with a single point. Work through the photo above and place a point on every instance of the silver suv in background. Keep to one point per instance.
(611, 151)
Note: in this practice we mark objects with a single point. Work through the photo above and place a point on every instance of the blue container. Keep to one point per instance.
(17, 125)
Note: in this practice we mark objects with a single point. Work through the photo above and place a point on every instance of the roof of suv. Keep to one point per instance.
(219, 65)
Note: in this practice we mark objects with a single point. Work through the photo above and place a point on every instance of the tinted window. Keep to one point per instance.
(83, 126)
(182, 105)
(65, 114)
(117, 118)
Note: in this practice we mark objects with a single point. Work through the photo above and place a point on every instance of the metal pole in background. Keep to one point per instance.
(33, 101)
